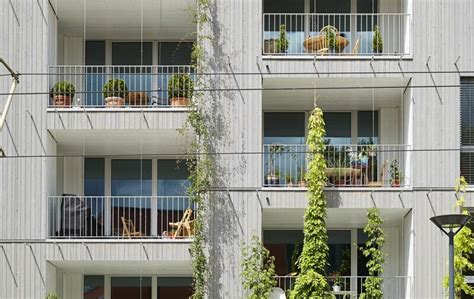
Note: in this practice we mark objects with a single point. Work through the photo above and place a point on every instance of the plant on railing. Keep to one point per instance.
(330, 36)
(372, 250)
(377, 41)
(63, 93)
(395, 173)
(258, 270)
(282, 41)
(52, 296)
(273, 175)
(311, 283)
(463, 247)
(201, 169)
(180, 89)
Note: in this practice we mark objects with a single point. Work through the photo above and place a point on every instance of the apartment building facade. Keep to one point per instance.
(93, 191)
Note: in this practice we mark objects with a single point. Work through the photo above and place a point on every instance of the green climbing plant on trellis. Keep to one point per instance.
(311, 282)
(258, 270)
(372, 249)
(463, 247)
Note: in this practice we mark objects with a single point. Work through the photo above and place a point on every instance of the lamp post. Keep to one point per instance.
(451, 224)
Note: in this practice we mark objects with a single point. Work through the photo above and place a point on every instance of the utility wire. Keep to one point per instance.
(267, 89)
(187, 155)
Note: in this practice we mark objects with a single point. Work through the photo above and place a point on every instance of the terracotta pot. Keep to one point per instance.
(137, 99)
(114, 102)
(270, 46)
(62, 101)
(395, 184)
(179, 102)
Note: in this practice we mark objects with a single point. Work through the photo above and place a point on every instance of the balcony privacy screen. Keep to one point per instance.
(467, 129)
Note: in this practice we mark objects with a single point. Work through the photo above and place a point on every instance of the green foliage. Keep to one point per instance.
(180, 85)
(258, 270)
(376, 258)
(282, 41)
(377, 41)
(115, 88)
(295, 257)
(63, 88)
(311, 283)
(52, 296)
(463, 247)
(330, 35)
(201, 169)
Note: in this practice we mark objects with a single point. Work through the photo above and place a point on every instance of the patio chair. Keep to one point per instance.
(355, 50)
(380, 182)
(129, 229)
(185, 227)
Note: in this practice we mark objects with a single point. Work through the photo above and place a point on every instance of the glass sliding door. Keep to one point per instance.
(130, 287)
(131, 190)
(96, 74)
(94, 188)
(174, 287)
(94, 287)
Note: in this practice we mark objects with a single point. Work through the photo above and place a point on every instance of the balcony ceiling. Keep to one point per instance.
(175, 268)
(123, 142)
(333, 99)
(121, 19)
(337, 218)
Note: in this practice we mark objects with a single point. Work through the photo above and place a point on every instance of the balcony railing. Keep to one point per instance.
(369, 165)
(393, 287)
(353, 34)
(90, 217)
(147, 86)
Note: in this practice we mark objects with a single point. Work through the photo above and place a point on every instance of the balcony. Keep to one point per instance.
(337, 34)
(120, 217)
(352, 286)
(145, 86)
(348, 165)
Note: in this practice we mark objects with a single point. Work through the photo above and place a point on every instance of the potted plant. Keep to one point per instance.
(395, 173)
(115, 91)
(289, 180)
(180, 90)
(63, 93)
(337, 281)
(377, 41)
(300, 177)
(282, 41)
(273, 174)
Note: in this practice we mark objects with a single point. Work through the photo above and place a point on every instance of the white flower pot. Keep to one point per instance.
(336, 288)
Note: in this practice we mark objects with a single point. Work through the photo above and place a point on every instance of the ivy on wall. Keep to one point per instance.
(311, 283)
(372, 249)
(258, 270)
(463, 247)
(200, 165)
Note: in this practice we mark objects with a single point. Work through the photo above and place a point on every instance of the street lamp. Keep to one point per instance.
(451, 224)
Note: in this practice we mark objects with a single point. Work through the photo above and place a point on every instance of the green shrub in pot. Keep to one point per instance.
(180, 89)
(63, 93)
(115, 91)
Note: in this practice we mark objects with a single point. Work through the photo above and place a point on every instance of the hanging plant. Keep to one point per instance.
(463, 247)
(312, 283)
(372, 286)
(258, 270)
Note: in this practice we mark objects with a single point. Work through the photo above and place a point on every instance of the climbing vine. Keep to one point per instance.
(311, 283)
(258, 270)
(200, 164)
(463, 247)
(376, 258)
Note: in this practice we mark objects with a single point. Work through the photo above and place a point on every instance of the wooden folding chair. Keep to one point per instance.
(355, 50)
(129, 229)
(185, 227)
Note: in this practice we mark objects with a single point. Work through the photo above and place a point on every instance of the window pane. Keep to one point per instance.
(94, 172)
(366, 6)
(284, 127)
(173, 53)
(95, 52)
(331, 6)
(131, 287)
(93, 287)
(172, 178)
(131, 177)
(174, 287)
(467, 111)
(339, 242)
(367, 127)
(283, 6)
(130, 53)
(338, 127)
